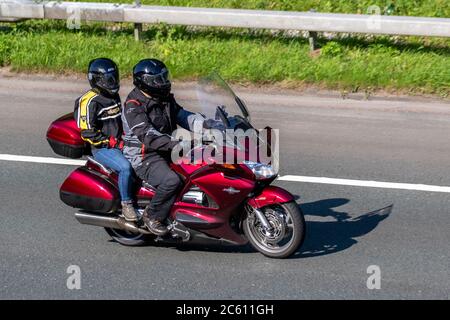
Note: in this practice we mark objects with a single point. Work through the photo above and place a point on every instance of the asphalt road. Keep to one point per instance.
(405, 233)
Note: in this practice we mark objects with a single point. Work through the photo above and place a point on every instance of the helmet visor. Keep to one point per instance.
(109, 81)
(158, 80)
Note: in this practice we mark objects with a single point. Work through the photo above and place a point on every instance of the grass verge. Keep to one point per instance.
(410, 65)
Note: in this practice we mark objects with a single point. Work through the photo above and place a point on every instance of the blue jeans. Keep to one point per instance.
(114, 159)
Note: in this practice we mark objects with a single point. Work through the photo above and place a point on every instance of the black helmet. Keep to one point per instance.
(103, 75)
(152, 77)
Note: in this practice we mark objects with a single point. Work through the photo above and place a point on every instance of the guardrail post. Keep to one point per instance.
(312, 36)
(137, 26)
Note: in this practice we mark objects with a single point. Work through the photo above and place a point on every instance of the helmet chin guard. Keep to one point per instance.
(103, 75)
(152, 77)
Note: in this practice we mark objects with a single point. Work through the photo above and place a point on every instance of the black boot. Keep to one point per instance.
(154, 226)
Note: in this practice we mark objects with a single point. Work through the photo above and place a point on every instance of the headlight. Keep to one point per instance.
(261, 171)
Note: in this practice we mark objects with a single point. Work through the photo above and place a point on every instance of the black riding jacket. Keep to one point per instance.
(98, 117)
(148, 123)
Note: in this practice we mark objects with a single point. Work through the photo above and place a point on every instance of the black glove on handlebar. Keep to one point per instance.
(213, 124)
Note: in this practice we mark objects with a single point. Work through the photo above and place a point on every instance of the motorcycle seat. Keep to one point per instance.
(94, 162)
(91, 161)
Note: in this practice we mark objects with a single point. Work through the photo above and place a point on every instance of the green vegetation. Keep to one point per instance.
(429, 8)
(406, 64)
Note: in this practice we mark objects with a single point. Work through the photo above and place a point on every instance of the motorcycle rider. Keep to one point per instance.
(98, 115)
(149, 117)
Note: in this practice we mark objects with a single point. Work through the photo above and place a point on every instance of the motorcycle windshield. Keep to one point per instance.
(218, 101)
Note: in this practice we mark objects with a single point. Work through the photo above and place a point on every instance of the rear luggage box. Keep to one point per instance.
(64, 138)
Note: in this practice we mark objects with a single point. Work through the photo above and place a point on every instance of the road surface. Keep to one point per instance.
(349, 228)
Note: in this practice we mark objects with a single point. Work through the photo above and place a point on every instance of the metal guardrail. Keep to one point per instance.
(258, 19)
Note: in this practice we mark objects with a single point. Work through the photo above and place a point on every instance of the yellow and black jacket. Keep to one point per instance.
(98, 117)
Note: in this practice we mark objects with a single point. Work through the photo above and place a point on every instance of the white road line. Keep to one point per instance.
(11, 157)
(292, 178)
(365, 183)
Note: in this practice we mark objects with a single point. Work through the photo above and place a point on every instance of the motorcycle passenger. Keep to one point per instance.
(98, 115)
(150, 116)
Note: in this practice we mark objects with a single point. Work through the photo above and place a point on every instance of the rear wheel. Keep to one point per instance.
(128, 238)
(286, 234)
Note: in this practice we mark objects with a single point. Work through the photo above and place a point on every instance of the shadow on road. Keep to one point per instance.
(330, 230)
(206, 245)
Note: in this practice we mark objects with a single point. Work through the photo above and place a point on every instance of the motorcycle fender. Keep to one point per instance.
(269, 196)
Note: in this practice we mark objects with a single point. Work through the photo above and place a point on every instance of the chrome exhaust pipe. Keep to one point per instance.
(109, 222)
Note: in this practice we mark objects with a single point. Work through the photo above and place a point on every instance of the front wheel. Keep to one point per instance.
(287, 229)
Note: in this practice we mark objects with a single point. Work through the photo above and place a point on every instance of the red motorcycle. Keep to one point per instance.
(232, 202)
